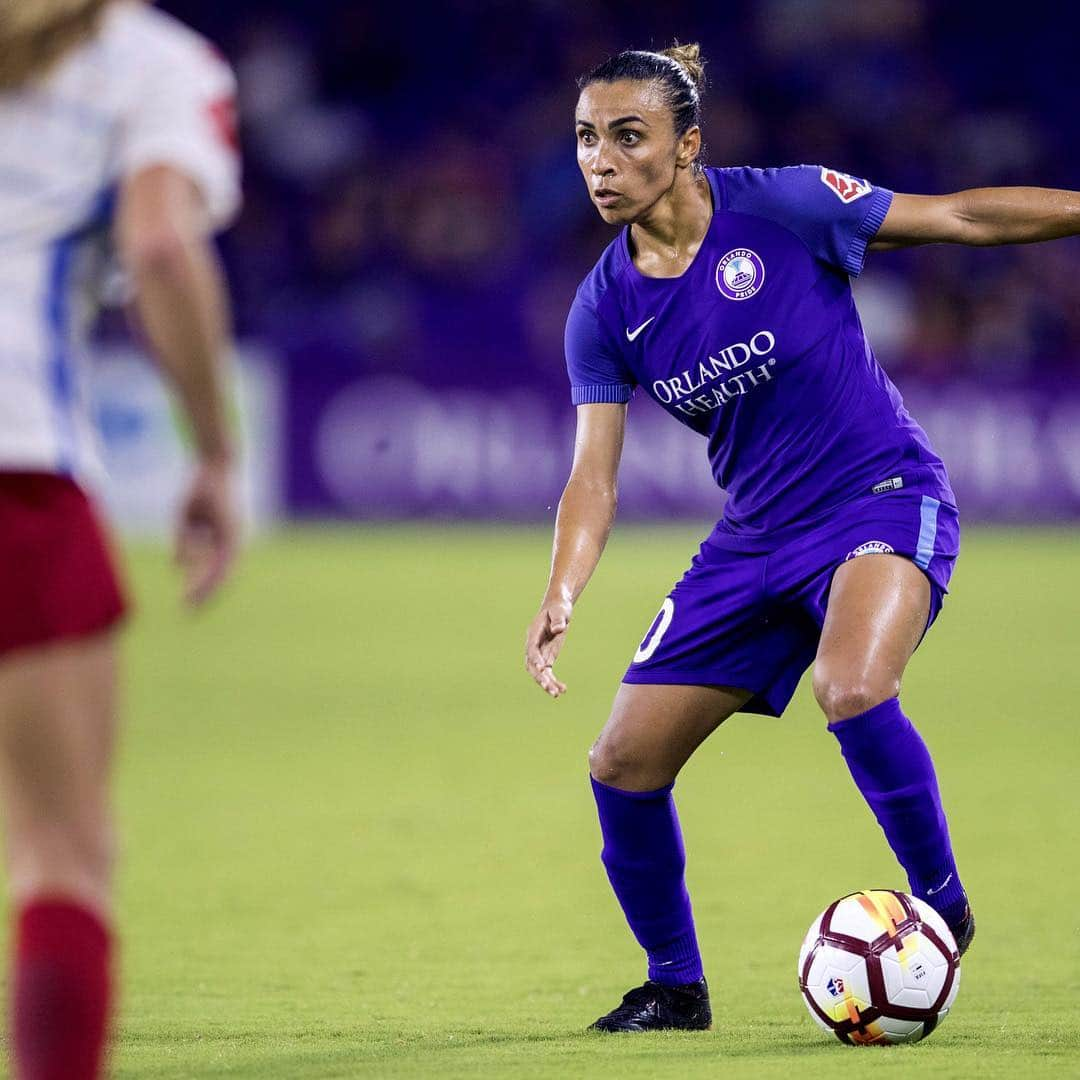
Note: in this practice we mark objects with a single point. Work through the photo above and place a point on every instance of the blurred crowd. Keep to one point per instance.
(413, 201)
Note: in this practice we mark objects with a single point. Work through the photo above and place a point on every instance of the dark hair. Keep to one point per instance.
(679, 70)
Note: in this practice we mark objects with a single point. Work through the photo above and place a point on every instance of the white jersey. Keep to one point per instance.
(145, 90)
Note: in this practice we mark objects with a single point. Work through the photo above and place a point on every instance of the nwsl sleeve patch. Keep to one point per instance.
(846, 188)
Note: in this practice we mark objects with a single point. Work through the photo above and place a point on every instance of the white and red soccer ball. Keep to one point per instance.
(879, 967)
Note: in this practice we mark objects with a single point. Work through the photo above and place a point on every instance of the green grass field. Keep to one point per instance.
(360, 842)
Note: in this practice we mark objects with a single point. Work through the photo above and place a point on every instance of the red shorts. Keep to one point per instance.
(57, 575)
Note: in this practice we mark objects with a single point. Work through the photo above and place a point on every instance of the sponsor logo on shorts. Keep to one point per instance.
(835, 986)
(871, 547)
(740, 274)
(894, 483)
(846, 188)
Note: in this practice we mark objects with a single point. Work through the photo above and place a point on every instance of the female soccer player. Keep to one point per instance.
(114, 124)
(727, 298)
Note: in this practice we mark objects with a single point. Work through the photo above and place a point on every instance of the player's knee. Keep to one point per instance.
(613, 762)
(602, 764)
(841, 699)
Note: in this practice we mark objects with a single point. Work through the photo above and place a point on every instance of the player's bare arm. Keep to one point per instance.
(586, 514)
(980, 217)
(163, 232)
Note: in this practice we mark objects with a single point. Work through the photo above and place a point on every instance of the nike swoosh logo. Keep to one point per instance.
(630, 335)
(931, 892)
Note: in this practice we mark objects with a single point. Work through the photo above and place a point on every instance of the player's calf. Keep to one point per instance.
(60, 980)
(892, 768)
(74, 860)
(645, 861)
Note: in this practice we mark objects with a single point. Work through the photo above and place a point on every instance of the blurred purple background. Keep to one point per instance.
(415, 227)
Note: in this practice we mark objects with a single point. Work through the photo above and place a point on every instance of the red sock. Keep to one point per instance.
(60, 993)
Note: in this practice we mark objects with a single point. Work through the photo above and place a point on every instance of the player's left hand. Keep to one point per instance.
(207, 531)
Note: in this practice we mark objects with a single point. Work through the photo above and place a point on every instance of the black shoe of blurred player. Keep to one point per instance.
(655, 1007)
(964, 931)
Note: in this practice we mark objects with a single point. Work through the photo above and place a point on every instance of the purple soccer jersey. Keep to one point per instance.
(759, 348)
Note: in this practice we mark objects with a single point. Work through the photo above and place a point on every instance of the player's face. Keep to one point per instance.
(626, 147)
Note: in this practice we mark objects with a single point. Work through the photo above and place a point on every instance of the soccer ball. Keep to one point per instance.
(879, 967)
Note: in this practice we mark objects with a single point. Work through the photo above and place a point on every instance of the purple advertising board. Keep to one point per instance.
(388, 446)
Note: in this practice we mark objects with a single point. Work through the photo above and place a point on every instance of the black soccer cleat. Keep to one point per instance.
(964, 931)
(655, 1007)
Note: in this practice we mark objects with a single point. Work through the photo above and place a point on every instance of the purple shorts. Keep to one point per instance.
(753, 619)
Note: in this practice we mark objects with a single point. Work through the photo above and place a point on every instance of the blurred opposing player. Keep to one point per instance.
(726, 297)
(115, 131)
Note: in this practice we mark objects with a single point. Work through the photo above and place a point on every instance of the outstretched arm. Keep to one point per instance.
(586, 513)
(980, 217)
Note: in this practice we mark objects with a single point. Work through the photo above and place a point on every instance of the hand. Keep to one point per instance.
(543, 642)
(207, 531)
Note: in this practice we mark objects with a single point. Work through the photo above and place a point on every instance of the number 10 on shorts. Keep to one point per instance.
(656, 632)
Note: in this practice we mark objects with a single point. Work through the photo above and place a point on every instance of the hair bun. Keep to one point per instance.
(688, 57)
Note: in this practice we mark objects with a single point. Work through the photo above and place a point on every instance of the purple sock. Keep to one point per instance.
(891, 766)
(645, 859)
